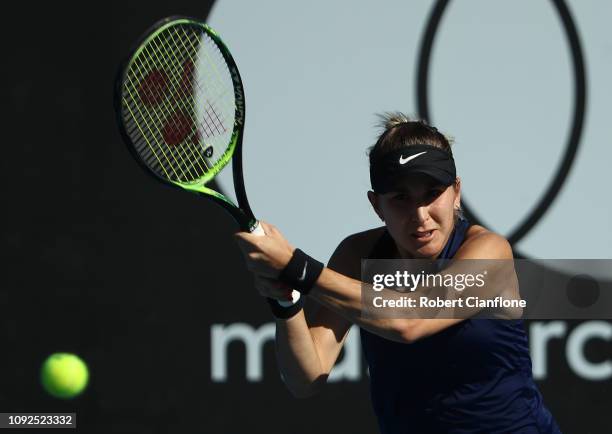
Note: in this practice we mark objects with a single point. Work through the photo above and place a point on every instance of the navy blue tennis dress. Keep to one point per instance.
(473, 377)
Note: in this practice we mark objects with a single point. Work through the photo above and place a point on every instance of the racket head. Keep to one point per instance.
(179, 102)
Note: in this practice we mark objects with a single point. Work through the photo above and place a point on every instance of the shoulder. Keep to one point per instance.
(481, 243)
(346, 259)
(362, 242)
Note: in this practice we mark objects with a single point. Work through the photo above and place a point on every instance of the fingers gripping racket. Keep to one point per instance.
(180, 106)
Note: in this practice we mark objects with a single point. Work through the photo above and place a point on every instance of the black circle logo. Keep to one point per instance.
(580, 92)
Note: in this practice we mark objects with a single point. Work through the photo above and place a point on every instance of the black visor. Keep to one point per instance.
(387, 173)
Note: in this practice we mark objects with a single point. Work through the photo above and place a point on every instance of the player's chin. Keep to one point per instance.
(426, 252)
(429, 248)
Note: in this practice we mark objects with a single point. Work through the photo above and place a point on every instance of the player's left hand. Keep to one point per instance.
(265, 255)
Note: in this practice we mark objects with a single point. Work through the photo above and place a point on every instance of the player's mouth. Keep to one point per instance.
(423, 236)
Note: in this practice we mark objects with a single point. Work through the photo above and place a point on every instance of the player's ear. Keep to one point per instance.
(374, 199)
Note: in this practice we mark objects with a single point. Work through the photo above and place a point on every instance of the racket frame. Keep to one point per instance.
(241, 213)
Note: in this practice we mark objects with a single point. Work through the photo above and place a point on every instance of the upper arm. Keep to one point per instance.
(485, 245)
(328, 329)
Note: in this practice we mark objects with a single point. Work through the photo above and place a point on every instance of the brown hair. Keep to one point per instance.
(400, 131)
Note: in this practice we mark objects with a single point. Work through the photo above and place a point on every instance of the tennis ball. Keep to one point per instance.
(64, 375)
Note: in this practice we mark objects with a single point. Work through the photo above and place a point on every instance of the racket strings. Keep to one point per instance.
(195, 160)
(220, 89)
(163, 149)
(170, 120)
(219, 137)
(191, 108)
(153, 138)
(216, 90)
(171, 51)
(212, 64)
(225, 89)
(139, 147)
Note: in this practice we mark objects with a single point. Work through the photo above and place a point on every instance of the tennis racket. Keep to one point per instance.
(180, 107)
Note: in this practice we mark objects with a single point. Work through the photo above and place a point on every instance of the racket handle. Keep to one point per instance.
(295, 295)
(258, 230)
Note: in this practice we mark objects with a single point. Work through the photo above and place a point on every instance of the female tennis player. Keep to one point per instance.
(439, 375)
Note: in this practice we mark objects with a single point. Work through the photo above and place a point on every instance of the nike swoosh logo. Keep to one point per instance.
(303, 276)
(403, 160)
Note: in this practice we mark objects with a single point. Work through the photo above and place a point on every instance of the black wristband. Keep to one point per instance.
(285, 312)
(301, 272)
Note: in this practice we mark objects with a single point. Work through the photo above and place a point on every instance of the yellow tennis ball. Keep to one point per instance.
(64, 375)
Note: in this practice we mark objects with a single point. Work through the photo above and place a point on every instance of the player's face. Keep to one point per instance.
(420, 216)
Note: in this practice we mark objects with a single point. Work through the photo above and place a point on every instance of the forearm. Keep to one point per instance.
(297, 356)
(343, 295)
